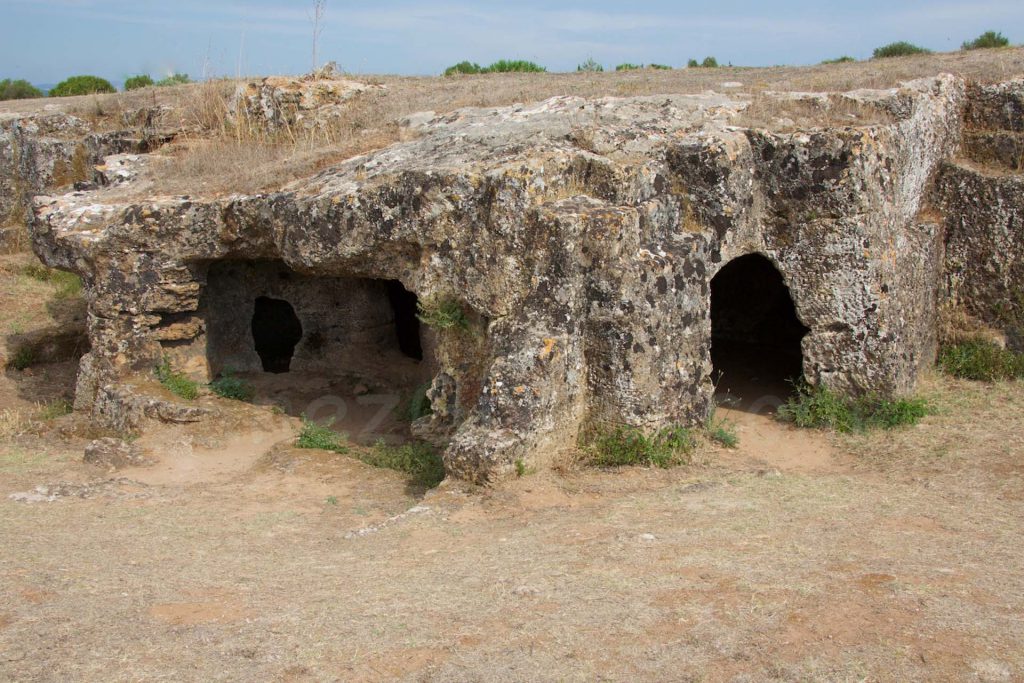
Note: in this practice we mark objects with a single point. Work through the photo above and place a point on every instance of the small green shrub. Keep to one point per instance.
(418, 459)
(231, 387)
(173, 79)
(55, 409)
(505, 66)
(988, 39)
(625, 445)
(464, 68)
(900, 49)
(442, 313)
(629, 67)
(981, 361)
(590, 65)
(840, 60)
(136, 82)
(176, 382)
(722, 432)
(319, 437)
(821, 408)
(23, 358)
(18, 90)
(82, 85)
(68, 284)
(659, 67)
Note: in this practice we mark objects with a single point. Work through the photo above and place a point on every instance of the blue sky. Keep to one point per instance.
(47, 40)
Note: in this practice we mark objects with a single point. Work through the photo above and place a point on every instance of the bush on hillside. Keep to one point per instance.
(839, 60)
(503, 66)
(82, 85)
(629, 67)
(708, 63)
(174, 79)
(590, 65)
(659, 67)
(987, 39)
(900, 49)
(464, 68)
(18, 90)
(136, 82)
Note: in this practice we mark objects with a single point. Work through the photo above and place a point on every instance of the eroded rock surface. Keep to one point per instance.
(577, 239)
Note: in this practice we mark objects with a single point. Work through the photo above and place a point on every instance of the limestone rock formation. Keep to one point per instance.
(563, 256)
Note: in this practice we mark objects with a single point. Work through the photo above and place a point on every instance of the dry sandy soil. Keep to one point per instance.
(799, 556)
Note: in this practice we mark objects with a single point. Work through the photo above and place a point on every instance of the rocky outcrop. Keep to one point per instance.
(577, 240)
(982, 197)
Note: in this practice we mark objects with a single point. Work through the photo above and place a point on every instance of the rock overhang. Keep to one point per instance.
(582, 235)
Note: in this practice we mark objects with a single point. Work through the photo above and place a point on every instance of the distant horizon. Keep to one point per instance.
(49, 40)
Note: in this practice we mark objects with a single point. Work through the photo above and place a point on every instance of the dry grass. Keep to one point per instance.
(221, 154)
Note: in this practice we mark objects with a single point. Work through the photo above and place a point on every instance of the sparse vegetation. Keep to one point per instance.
(845, 59)
(54, 409)
(82, 85)
(500, 66)
(419, 403)
(590, 65)
(136, 82)
(231, 387)
(822, 408)
(988, 39)
(982, 361)
(418, 459)
(899, 49)
(443, 313)
(319, 437)
(176, 382)
(173, 79)
(722, 432)
(629, 67)
(23, 358)
(68, 285)
(659, 67)
(625, 445)
(18, 90)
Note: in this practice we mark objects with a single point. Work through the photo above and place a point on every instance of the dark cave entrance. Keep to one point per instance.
(276, 331)
(405, 307)
(755, 334)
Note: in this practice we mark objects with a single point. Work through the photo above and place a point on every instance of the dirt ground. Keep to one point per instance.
(799, 556)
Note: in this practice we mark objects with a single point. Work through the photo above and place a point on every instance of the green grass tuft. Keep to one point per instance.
(821, 408)
(55, 409)
(442, 313)
(418, 459)
(319, 437)
(230, 387)
(68, 284)
(626, 445)
(722, 432)
(176, 382)
(981, 361)
(24, 358)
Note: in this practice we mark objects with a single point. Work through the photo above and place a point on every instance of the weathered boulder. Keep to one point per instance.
(579, 240)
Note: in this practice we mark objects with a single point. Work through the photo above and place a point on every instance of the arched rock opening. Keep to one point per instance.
(755, 334)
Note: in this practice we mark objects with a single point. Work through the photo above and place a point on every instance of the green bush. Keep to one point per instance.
(659, 67)
(230, 387)
(319, 437)
(722, 432)
(590, 65)
(442, 313)
(464, 68)
(629, 67)
(82, 85)
(981, 361)
(821, 408)
(840, 60)
(23, 358)
(136, 82)
(630, 446)
(418, 459)
(504, 66)
(419, 403)
(18, 90)
(176, 382)
(708, 63)
(174, 79)
(900, 49)
(988, 39)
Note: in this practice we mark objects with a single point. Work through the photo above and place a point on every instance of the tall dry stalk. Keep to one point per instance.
(319, 6)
